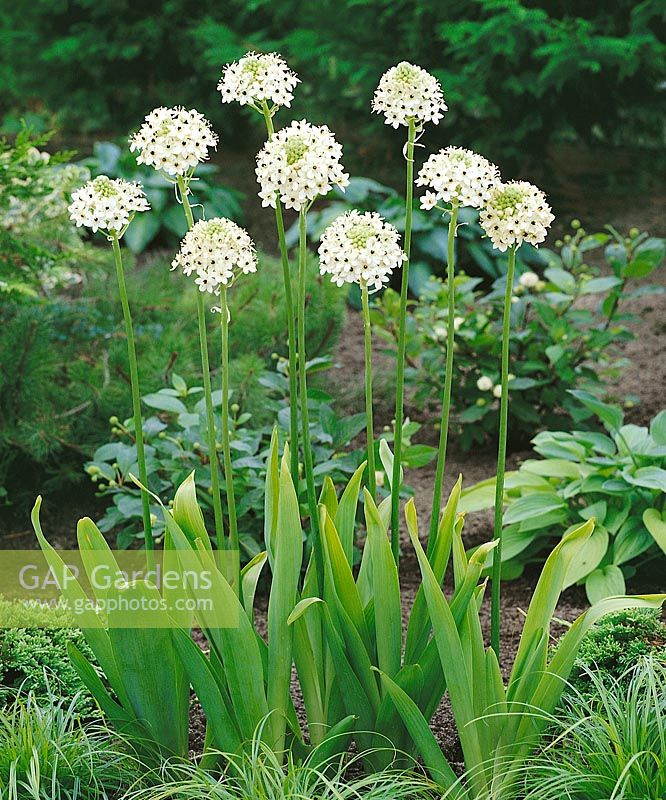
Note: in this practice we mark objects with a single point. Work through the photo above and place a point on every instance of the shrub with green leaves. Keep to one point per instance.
(165, 224)
(176, 445)
(609, 743)
(617, 644)
(617, 478)
(566, 326)
(33, 654)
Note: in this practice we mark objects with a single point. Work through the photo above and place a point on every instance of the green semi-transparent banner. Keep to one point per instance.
(115, 589)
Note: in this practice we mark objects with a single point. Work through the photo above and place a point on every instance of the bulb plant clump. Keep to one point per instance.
(334, 619)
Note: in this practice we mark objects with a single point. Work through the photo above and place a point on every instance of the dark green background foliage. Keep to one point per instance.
(589, 70)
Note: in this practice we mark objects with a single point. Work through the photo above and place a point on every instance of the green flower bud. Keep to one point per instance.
(114, 420)
(575, 224)
(235, 408)
(633, 233)
(558, 243)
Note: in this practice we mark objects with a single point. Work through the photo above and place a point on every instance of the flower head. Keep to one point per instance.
(360, 248)
(107, 205)
(299, 163)
(484, 384)
(258, 77)
(407, 92)
(528, 280)
(456, 175)
(516, 212)
(173, 140)
(216, 251)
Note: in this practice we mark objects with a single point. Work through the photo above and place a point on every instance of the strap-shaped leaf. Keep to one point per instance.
(388, 612)
(271, 494)
(250, 575)
(187, 513)
(345, 516)
(424, 739)
(287, 558)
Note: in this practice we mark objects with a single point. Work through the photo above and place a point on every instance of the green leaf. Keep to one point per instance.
(597, 285)
(164, 402)
(656, 525)
(648, 477)
(658, 428)
(604, 582)
(141, 232)
(562, 279)
(588, 558)
(533, 505)
(611, 416)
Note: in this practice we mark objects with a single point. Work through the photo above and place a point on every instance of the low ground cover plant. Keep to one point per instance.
(617, 478)
(339, 627)
(567, 321)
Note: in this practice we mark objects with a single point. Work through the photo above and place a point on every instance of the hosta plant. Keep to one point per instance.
(617, 478)
(566, 325)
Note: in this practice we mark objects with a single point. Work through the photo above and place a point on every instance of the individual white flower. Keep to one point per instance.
(216, 251)
(107, 205)
(528, 280)
(173, 140)
(484, 384)
(516, 212)
(360, 248)
(456, 175)
(258, 77)
(407, 92)
(299, 163)
(497, 391)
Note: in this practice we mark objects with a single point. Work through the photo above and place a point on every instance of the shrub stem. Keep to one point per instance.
(367, 334)
(501, 459)
(291, 322)
(448, 379)
(136, 404)
(400, 370)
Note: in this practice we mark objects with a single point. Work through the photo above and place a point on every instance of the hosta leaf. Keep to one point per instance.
(656, 524)
(531, 506)
(604, 582)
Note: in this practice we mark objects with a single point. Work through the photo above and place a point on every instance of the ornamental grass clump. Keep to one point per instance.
(407, 95)
(109, 206)
(362, 249)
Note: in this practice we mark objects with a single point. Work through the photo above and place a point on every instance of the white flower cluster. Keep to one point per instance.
(529, 280)
(299, 163)
(173, 140)
(360, 248)
(216, 251)
(257, 77)
(409, 92)
(457, 175)
(516, 212)
(107, 205)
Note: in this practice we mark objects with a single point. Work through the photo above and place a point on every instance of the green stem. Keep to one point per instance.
(208, 393)
(400, 372)
(367, 334)
(305, 418)
(448, 380)
(501, 459)
(291, 322)
(233, 545)
(136, 404)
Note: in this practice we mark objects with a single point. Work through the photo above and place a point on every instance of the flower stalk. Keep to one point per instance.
(448, 378)
(208, 393)
(233, 545)
(305, 417)
(136, 403)
(367, 335)
(501, 457)
(291, 321)
(400, 371)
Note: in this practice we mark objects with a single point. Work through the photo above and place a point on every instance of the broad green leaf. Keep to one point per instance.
(596, 285)
(648, 477)
(604, 582)
(533, 505)
(656, 525)
(588, 558)
(552, 468)
(611, 416)
(164, 402)
(658, 428)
